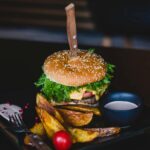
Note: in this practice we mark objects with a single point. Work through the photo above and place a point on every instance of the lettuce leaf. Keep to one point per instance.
(58, 92)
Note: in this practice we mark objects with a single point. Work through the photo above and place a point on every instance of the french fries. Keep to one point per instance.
(64, 116)
(82, 136)
(89, 134)
(82, 108)
(103, 132)
(27, 140)
(36, 129)
(76, 118)
(56, 119)
(50, 124)
(44, 104)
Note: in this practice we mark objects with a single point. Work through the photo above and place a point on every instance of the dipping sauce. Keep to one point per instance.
(120, 105)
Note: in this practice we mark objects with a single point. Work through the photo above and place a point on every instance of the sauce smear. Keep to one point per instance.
(120, 105)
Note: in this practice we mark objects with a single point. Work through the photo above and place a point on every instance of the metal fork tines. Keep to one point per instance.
(17, 123)
(19, 127)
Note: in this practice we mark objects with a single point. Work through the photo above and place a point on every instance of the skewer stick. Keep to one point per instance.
(71, 29)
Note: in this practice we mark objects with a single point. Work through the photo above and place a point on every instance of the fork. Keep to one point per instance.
(21, 130)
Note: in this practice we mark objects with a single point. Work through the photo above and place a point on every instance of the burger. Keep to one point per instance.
(79, 80)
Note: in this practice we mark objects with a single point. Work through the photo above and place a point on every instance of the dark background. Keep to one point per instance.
(117, 23)
(127, 17)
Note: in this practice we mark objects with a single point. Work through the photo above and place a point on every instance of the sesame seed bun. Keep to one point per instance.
(74, 71)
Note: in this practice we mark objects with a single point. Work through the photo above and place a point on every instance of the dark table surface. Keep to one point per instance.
(21, 63)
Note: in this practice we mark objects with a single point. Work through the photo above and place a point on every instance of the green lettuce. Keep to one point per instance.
(58, 92)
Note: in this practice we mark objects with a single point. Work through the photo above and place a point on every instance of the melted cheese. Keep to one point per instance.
(77, 95)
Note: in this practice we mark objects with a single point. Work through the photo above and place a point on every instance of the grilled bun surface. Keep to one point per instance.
(75, 71)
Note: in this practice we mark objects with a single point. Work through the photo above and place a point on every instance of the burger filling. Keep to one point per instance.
(60, 93)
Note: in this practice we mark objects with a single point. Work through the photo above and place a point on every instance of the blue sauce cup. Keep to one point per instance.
(121, 108)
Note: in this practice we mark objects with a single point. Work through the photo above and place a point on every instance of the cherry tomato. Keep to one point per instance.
(62, 140)
(87, 94)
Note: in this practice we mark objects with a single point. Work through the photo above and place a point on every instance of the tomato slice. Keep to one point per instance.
(87, 94)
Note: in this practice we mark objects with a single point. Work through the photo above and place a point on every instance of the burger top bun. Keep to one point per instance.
(82, 69)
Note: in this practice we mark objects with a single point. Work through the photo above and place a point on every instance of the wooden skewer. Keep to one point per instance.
(71, 29)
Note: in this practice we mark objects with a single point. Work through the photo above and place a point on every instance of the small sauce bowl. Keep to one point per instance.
(121, 108)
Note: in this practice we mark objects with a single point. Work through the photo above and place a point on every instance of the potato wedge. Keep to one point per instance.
(89, 134)
(82, 136)
(82, 108)
(36, 129)
(50, 123)
(76, 118)
(44, 104)
(27, 140)
(104, 131)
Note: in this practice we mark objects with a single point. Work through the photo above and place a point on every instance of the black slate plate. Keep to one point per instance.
(21, 97)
